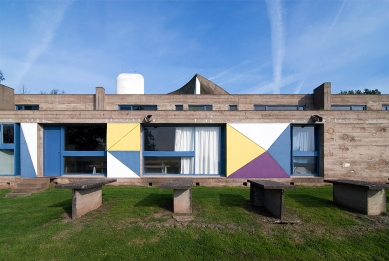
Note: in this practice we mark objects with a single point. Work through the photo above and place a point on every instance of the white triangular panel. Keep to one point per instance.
(116, 169)
(30, 131)
(263, 134)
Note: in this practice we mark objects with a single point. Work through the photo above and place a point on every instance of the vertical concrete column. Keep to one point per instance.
(7, 101)
(182, 200)
(100, 99)
(85, 200)
(322, 97)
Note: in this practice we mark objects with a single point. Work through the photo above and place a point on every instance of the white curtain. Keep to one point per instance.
(6, 162)
(207, 150)
(184, 141)
(303, 139)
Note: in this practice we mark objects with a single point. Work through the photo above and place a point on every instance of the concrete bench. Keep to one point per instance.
(182, 194)
(366, 197)
(86, 195)
(269, 194)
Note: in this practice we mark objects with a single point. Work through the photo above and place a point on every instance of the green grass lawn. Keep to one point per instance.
(137, 223)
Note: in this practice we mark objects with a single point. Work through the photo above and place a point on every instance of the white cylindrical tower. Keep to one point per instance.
(130, 83)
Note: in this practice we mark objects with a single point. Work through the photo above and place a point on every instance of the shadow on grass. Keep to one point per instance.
(234, 200)
(157, 200)
(65, 204)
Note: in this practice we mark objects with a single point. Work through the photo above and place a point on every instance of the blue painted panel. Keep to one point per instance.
(52, 151)
(17, 150)
(129, 158)
(26, 166)
(281, 150)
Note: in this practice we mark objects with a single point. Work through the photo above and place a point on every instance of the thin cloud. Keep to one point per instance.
(228, 70)
(299, 87)
(46, 21)
(277, 39)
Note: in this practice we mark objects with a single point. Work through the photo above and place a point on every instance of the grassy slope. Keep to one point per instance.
(137, 223)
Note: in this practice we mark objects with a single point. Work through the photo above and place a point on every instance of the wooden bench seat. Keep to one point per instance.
(269, 194)
(182, 194)
(365, 197)
(86, 195)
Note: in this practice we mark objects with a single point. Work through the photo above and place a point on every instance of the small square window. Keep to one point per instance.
(179, 107)
(233, 107)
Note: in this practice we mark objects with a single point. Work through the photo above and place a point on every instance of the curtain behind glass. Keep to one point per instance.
(207, 150)
(6, 162)
(303, 139)
(184, 141)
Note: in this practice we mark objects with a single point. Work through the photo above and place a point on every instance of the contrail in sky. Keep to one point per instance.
(46, 22)
(278, 42)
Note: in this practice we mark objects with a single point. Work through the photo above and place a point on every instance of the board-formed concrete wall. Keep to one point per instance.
(6, 98)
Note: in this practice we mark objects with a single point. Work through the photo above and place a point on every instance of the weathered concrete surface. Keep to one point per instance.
(182, 194)
(365, 197)
(269, 194)
(85, 200)
(86, 195)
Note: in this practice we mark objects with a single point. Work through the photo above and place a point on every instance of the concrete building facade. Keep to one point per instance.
(199, 131)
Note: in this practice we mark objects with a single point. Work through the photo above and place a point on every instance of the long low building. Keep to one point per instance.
(199, 131)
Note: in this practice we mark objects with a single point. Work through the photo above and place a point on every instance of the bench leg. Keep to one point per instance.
(274, 201)
(85, 200)
(368, 202)
(182, 200)
(256, 195)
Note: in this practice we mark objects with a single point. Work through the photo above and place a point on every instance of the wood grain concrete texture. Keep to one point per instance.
(58, 102)
(218, 102)
(85, 200)
(372, 102)
(6, 98)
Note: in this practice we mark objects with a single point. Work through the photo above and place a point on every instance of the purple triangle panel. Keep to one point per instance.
(263, 166)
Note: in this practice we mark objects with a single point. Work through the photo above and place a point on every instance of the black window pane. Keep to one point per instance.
(85, 165)
(159, 138)
(8, 133)
(85, 138)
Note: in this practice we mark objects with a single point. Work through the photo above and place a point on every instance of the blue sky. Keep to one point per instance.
(254, 47)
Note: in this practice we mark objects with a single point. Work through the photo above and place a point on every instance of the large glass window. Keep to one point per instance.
(84, 149)
(7, 149)
(181, 150)
(305, 150)
(85, 138)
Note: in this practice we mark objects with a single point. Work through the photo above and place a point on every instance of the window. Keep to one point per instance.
(138, 107)
(200, 107)
(22, 107)
(385, 107)
(233, 107)
(279, 107)
(7, 149)
(179, 107)
(305, 150)
(181, 150)
(348, 107)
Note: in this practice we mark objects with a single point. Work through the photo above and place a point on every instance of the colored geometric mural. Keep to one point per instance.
(263, 134)
(262, 167)
(123, 137)
(28, 150)
(240, 150)
(274, 141)
(281, 150)
(123, 164)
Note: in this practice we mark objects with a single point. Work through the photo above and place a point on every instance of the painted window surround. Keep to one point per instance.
(13, 147)
(189, 153)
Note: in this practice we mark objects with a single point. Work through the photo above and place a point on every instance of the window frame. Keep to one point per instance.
(206, 107)
(132, 107)
(313, 153)
(185, 153)
(232, 107)
(22, 107)
(261, 107)
(385, 107)
(12, 146)
(179, 107)
(347, 107)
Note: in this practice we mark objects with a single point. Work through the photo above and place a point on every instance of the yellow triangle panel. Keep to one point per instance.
(123, 137)
(240, 150)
